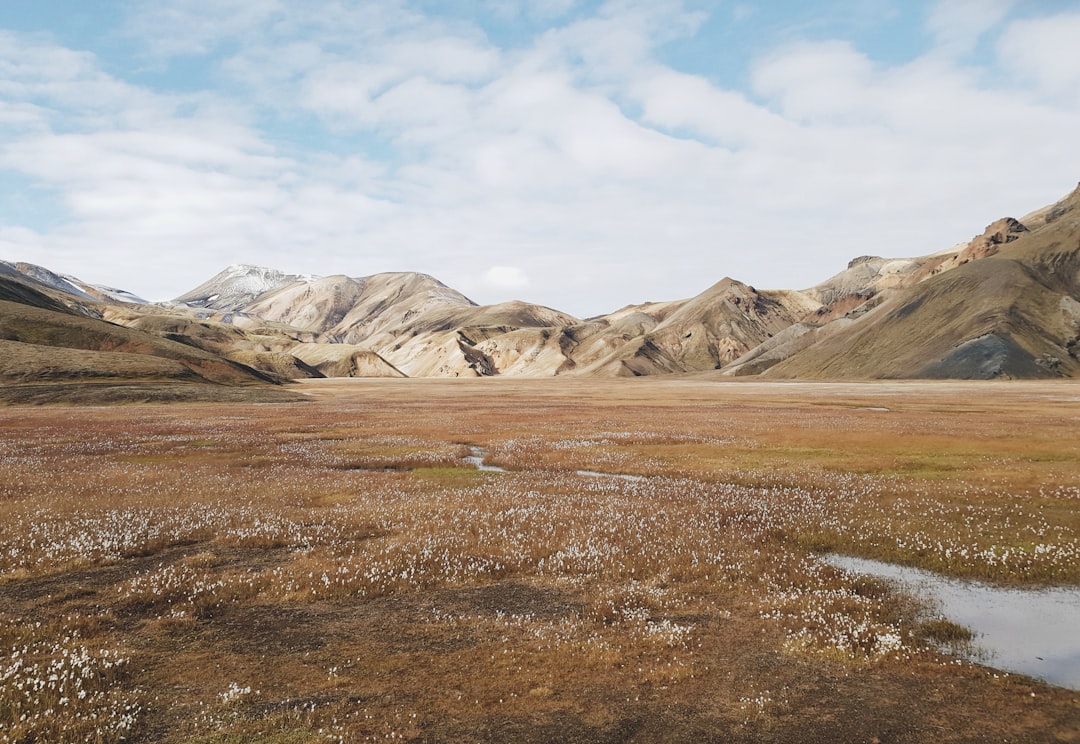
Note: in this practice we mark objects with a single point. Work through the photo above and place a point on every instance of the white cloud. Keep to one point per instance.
(582, 157)
(816, 81)
(453, 59)
(506, 277)
(674, 101)
(191, 27)
(22, 116)
(1045, 52)
(957, 25)
(535, 9)
(347, 87)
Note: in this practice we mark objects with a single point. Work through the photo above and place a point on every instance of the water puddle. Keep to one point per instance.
(1033, 632)
(476, 459)
(477, 455)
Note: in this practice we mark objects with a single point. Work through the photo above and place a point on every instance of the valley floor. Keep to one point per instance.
(335, 569)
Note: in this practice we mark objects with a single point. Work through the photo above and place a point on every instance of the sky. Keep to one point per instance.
(582, 155)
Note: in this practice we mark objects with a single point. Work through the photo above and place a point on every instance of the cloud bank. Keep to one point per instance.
(552, 152)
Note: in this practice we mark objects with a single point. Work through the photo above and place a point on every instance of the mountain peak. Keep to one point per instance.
(236, 286)
(1068, 204)
(996, 234)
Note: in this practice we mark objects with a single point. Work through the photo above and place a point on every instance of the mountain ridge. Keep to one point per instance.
(1004, 304)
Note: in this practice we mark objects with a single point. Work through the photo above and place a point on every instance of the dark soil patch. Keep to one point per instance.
(509, 598)
(72, 590)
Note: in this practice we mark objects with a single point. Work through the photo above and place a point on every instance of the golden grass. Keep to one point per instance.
(333, 571)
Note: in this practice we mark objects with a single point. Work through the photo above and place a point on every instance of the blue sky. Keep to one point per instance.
(581, 155)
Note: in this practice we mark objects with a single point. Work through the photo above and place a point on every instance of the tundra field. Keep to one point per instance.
(337, 570)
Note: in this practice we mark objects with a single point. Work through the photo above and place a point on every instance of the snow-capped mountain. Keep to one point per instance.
(68, 284)
(237, 286)
(49, 278)
(100, 291)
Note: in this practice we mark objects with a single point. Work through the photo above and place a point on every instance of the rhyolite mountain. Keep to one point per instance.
(55, 347)
(1005, 304)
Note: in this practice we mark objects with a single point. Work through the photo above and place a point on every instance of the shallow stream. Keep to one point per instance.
(476, 459)
(1028, 631)
(477, 454)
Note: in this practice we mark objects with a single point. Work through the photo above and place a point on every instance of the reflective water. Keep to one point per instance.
(1034, 632)
(477, 454)
(476, 459)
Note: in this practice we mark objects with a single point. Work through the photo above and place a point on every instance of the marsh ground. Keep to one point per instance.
(333, 570)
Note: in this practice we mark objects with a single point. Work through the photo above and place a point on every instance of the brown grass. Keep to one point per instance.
(333, 570)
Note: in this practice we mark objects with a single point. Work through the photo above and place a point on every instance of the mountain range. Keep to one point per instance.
(1006, 304)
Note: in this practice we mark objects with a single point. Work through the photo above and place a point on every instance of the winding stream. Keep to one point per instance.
(476, 459)
(1028, 631)
(477, 454)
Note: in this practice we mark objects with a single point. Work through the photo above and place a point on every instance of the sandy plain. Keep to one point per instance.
(335, 570)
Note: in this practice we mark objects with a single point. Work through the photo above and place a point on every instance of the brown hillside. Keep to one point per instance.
(987, 319)
(344, 360)
(50, 354)
(13, 290)
(316, 306)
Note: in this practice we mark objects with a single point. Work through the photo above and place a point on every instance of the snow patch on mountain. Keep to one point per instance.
(238, 285)
(110, 293)
(41, 275)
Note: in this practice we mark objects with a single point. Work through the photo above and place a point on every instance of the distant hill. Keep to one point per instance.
(53, 352)
(1008, 308)
(1005, 304)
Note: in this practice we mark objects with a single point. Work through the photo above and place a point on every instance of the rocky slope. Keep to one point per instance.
(1006, 305)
